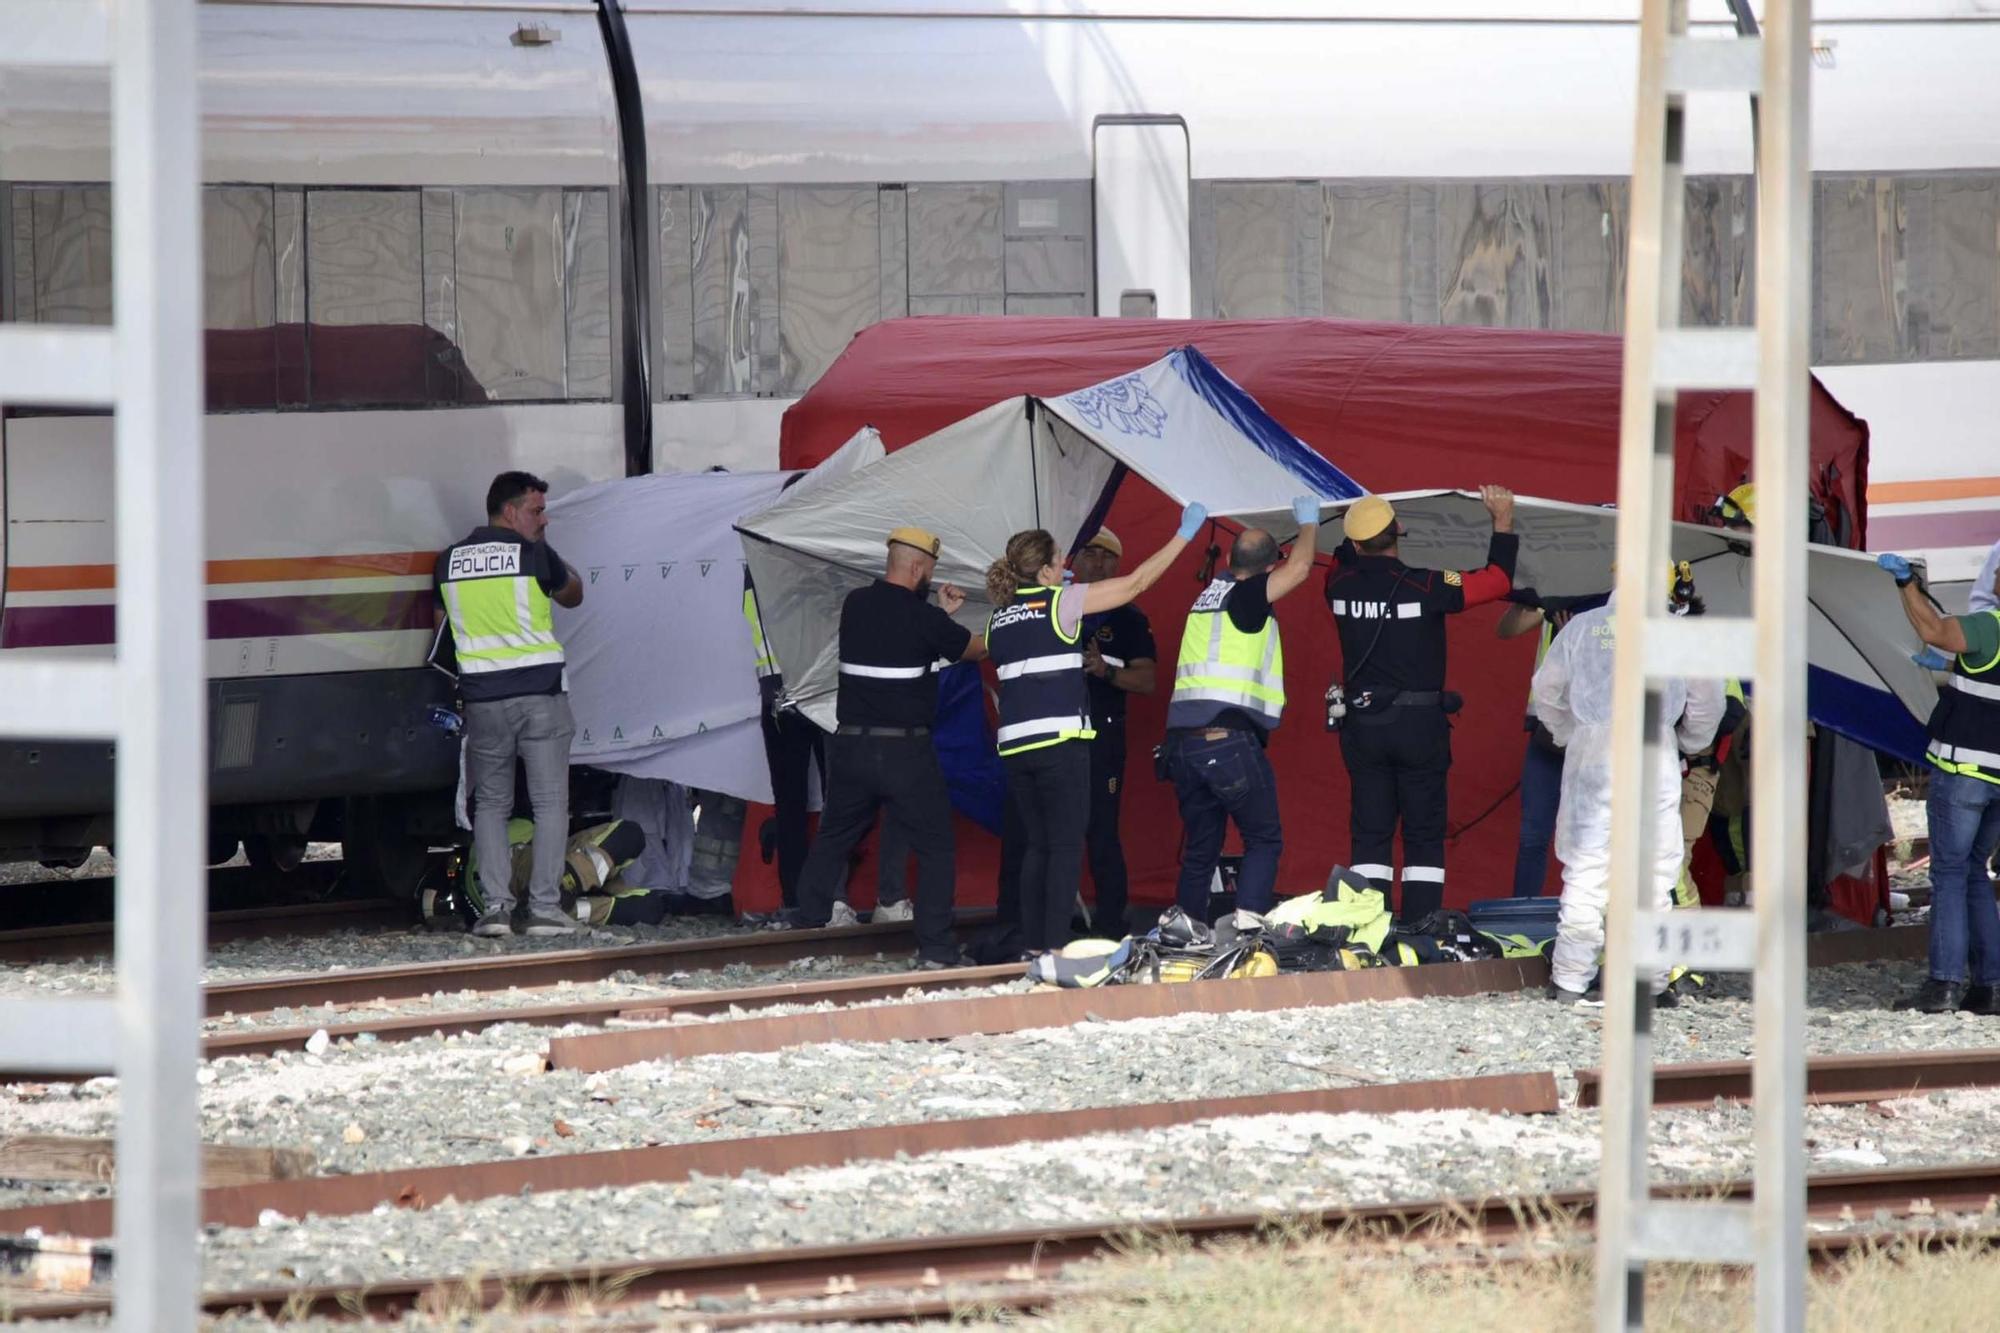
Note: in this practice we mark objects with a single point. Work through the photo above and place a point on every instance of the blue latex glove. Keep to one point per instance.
(1192, 518)
(1897, 566)
(1932, 659)
(1305, 509)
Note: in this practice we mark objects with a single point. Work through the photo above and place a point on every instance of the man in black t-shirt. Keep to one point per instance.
(892, 640)
(1119, 658)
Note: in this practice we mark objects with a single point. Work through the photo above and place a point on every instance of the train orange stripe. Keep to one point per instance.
(1951, 488)
(282, 569)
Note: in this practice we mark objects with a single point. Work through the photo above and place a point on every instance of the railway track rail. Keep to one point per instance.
(42, 944)
(936, 1264)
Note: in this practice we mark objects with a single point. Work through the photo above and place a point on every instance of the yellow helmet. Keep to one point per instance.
(1738, 509)
(1680, 587)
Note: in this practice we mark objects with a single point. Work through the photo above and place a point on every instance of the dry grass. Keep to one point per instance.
(1322, 1283)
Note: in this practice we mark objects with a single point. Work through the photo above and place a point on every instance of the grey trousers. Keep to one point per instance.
(537, 728)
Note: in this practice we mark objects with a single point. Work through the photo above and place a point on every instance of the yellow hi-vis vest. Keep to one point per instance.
(500, 617)
(767, 661)
(1221, 667)
(1965, 727)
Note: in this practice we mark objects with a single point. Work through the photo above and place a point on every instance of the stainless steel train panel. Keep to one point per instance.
(1268, 240)
(1075, 303)
(1587, 225)
(364, 261)
(1860, 278)
(72, 253)
(1202, 245)
(1425, 257)
(238, 268)
(20, 241)
(1493, 252)
(1046, 208)
(288, 230)
(764, 287)
(673, 292)
(1365, 257)
(958, 305)
(725, 351)
(1953, 231)
(510, 291)
(1718, 251)
(955, 242)
(893, 202)
(587, 289)
(440, 225)
(1050, 266)
(830, 256)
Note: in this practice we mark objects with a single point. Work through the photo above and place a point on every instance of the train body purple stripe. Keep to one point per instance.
(232, 618)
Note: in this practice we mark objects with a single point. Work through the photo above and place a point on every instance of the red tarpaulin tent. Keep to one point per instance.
(1396, 407)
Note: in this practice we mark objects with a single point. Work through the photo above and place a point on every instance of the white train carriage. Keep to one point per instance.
(422, 265)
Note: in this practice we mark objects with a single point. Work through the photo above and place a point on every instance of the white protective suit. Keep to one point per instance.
(1572, 697)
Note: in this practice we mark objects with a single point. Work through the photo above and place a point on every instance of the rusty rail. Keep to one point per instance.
(988, 1015)
(326, 1196)
(766, 948)
(1037, 1255)
(42, 944)
(1830, 1079)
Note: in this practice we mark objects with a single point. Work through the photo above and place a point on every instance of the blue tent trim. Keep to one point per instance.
(1247, 415)
(1871, 717)
(972, 773)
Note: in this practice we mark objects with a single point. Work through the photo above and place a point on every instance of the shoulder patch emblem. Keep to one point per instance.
(1454, 578)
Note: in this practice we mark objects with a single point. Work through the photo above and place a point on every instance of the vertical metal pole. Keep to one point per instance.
(1645, 480)
(1778, 778)
(162, 736)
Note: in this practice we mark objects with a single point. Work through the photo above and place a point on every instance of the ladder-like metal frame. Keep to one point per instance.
(1769, 648)
(151, 699)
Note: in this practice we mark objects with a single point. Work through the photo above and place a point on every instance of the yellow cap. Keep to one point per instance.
(1370, 516)
(918, 538)
(1106, 540)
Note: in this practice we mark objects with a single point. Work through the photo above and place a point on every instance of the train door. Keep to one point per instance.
(1141, 216)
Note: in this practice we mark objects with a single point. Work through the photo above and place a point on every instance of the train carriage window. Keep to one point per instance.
(239, 296)
(587, 292)
(364, 298)
(70, 248)
(510, 291)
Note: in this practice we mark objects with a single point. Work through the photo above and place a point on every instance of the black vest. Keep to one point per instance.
(1042, 696)
(1965, 725)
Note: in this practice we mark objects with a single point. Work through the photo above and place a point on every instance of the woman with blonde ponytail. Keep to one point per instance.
(1033, 638)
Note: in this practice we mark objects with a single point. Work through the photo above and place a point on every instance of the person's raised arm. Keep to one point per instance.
(1299, 561)
(1110, 594)
(1932, 626)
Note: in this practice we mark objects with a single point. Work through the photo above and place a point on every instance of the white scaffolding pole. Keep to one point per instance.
(1660, 359)
(152, 702)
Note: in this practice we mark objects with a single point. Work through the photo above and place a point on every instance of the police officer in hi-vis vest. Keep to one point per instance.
(1964, 802)
(1035, 640)
(1229, 691)
(497, 586)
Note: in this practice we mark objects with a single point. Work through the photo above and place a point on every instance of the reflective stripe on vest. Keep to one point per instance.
(500, 618)
(886, 673)
(1043, 699)
(1221, 667)
(1965, 727)
(767, 664)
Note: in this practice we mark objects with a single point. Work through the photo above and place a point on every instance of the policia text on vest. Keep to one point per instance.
(1035, 639)
(1229, 694)
(499, 586)
(1396, 741)
(1964, 802)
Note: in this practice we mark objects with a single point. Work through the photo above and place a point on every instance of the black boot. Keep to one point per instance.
(1935, 997)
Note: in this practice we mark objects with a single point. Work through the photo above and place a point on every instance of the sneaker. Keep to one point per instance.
(1935, 997)
(902, 911)
(1981, 1000)
(842, 915)
(549, 923)
(495, 923)
(1584, 999)
(926, 963)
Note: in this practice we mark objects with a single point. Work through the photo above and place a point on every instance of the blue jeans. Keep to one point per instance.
(1965, 925)
(1541, 795)
(1216, 781)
